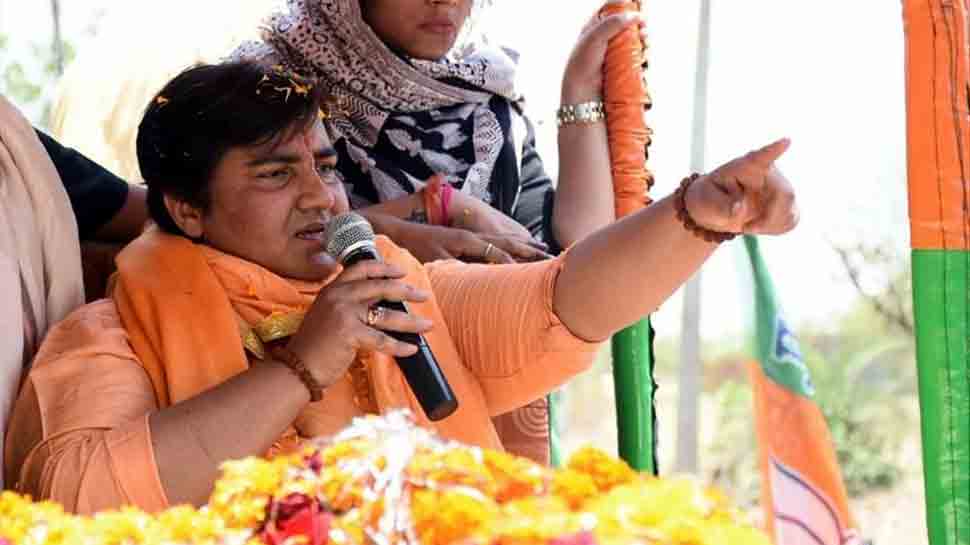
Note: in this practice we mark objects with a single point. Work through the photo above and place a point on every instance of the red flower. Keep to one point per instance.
(582, 538)
(314, 462)
(296, 515)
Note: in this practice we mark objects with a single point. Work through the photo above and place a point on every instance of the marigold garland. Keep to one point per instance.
(384, 481)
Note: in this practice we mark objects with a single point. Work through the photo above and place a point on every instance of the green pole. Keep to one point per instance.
(555, 448)
(938, 172)
(632, 347)
(634, 387)
(941, 294)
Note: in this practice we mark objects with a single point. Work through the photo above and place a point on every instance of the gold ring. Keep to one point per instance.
(488, 250)
(374, 315)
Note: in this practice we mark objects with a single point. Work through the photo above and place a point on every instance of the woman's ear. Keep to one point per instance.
(188, 217)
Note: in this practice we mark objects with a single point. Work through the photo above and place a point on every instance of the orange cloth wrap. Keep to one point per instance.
(937, 80)
(626, 98)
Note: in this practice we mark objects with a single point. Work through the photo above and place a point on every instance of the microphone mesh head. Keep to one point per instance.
(345, 231)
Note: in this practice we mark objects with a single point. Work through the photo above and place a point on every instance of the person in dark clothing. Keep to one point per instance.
(107, 208)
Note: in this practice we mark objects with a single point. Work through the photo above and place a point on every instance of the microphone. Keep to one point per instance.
(350, 240)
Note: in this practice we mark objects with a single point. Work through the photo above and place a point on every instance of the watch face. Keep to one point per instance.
(586, 112)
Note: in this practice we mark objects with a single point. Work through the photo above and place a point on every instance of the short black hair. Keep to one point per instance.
(204, 112)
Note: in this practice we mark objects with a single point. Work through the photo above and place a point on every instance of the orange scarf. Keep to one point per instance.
(191, 311)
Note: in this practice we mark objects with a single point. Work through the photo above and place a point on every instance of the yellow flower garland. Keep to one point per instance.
(385, 481)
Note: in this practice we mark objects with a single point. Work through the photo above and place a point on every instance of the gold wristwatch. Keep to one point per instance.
(584, 112)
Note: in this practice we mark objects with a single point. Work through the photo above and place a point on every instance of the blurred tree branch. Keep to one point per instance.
(28, 79)
(891, 296)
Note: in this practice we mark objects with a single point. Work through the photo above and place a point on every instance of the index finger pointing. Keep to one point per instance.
(767, 155)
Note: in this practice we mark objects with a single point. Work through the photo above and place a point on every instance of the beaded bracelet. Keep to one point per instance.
(293, 362)
(680, 203)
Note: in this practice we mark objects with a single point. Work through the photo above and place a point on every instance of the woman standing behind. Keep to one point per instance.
(434, 133)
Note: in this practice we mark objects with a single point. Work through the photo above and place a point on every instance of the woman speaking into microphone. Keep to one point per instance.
(433, 129)
(232, 332)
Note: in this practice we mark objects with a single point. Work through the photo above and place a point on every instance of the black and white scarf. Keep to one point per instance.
(401, 120)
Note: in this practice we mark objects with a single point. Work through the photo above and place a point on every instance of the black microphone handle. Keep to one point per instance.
(420, 369)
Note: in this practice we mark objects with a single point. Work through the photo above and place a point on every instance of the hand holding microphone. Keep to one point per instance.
(364, 308)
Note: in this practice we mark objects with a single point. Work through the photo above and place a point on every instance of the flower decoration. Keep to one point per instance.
(384, 481)
(296, 516)
(284, 84)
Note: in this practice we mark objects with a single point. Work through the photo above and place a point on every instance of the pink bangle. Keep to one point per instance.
(446, 190)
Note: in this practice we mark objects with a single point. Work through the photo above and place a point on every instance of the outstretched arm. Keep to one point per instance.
(623, 272)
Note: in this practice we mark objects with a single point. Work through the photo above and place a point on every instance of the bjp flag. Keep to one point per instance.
(803, 494)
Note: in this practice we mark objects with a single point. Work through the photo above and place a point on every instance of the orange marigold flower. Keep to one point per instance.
(574, 487)
(535, 520)
(453, 467)
(341, 491)
(452, 516)
(346, 450)
(443, 494)
(607, 472)
(515, 477)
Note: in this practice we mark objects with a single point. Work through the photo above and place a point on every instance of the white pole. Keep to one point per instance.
(58, 40)
(691, 370)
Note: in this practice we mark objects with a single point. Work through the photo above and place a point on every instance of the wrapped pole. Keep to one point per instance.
(938, 157)
(626, 98)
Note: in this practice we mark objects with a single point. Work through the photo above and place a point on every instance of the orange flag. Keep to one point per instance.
(803, 494)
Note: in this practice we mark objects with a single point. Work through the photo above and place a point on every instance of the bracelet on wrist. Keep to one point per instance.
(446, 191)
(583, 113)
(293, 362)
(680, 203)
(436, 196)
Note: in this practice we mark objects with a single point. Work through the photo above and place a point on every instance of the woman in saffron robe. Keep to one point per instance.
(230, 332)
(433, 129)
